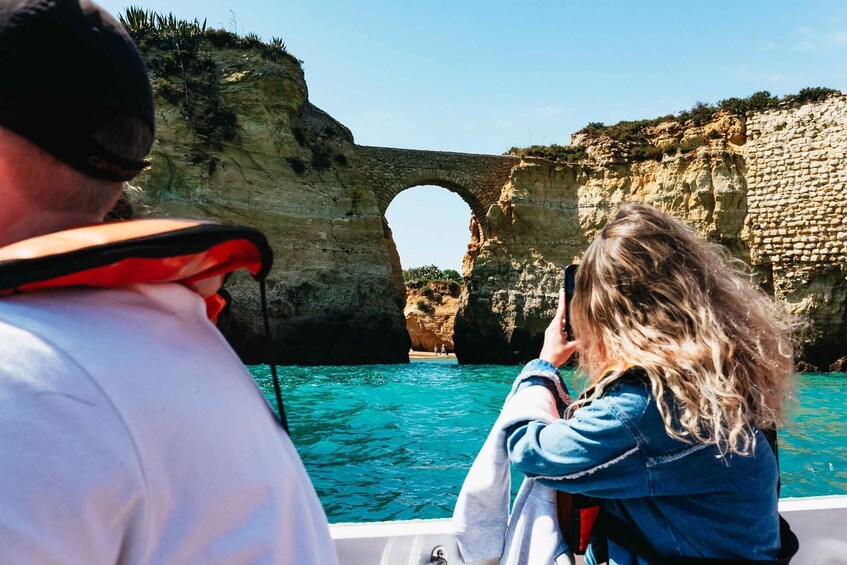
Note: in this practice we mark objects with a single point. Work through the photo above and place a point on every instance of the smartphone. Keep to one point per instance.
(570, 284)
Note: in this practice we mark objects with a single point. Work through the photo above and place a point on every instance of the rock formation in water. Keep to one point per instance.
(238, 141)
(771, 186)
(430, 314)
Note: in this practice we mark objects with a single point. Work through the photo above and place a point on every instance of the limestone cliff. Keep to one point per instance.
(238, 141)
(771, 186)
(430, 314)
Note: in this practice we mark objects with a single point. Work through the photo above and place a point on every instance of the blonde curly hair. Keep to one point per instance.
(653, 294)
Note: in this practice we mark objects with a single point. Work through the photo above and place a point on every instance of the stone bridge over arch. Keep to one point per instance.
(478, 179)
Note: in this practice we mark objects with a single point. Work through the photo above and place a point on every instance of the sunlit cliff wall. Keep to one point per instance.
(238, 141)
(430, 313)
(771, 186)
(797, 192)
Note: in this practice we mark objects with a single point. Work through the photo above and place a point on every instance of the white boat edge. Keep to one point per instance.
(820, 523)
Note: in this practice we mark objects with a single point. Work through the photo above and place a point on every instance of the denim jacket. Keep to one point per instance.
(686, 499)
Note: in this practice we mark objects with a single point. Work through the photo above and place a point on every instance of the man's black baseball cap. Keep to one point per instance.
(71, 80)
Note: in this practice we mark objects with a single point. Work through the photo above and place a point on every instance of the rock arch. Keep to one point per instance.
(478, 179)
(453, 181)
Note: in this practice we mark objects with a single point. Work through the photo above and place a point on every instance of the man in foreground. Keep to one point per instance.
(129, 430)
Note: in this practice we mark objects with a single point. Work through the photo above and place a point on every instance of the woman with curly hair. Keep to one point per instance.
(687, 363)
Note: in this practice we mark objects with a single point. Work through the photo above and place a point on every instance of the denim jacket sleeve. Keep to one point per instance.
(594, 452)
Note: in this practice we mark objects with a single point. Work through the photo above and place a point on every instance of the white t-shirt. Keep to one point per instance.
(130, 432)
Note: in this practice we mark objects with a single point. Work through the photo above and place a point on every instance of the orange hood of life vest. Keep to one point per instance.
(196, 254)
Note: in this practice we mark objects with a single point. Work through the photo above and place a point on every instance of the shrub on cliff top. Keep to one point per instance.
(452, 275)
(698, 114)
(182, 69)
(151, 29)
(811, 94)
(429, 273)
(701, 113)
(633, 133)
(566, 153)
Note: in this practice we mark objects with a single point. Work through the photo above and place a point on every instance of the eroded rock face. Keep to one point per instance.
(336, 292)
(430, 314)
(549, 215)
(770, 186)
(238, 141)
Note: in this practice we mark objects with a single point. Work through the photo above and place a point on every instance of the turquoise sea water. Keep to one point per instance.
(393, 442)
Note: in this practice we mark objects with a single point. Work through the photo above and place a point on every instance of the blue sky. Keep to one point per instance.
(484, 76)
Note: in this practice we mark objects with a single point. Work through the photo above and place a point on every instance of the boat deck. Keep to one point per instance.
(820, 523)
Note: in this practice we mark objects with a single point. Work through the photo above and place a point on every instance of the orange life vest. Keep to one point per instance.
(196, 254)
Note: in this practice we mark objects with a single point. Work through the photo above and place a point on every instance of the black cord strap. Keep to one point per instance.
(267, 321)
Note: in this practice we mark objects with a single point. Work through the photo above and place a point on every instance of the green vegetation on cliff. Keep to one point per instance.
(433, 292)
(419, 276)
(151, 29)
(562, 153)
(635, 133)
(178, 56)
(702, 113)
(424, 306)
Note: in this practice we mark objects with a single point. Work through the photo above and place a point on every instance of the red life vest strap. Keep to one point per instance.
(194, 253)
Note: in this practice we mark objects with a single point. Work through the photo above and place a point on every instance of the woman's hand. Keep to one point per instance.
(557, 349)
